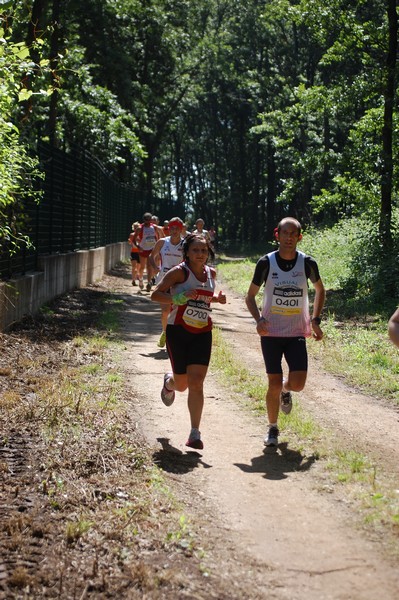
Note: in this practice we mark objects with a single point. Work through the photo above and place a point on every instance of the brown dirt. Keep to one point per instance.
(272, 525)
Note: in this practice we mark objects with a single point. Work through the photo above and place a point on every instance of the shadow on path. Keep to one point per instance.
(158, 355)
(276, 464)
(173, 460)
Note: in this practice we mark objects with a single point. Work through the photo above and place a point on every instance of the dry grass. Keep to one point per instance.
(82, 506)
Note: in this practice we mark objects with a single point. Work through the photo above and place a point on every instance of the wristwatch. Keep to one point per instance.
(316, 320)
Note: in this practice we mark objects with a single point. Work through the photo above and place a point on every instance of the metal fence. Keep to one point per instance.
(82, 207)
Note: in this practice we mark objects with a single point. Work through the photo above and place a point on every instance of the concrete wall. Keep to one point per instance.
(58, 274)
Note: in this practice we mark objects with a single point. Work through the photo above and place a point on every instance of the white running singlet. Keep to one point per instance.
(195, 316)
(285, 300)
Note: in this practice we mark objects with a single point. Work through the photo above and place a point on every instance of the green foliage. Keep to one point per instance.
(146, 59)
(354, 261)
(18, 168)
(241, 112)
(334, 265)
(93, 118)
(326, 133)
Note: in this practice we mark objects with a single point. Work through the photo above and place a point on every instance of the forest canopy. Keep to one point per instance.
(238, 111)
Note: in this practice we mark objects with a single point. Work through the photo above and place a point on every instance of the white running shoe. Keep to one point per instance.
(194, 440)
(286, 402)
(271, 438)
(168, 396)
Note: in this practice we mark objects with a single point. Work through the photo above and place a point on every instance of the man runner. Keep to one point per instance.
(284, 322)
(169, 251)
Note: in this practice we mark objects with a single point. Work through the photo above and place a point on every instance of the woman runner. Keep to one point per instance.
(189, 289)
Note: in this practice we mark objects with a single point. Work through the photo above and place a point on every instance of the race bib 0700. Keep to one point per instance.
(196, 314)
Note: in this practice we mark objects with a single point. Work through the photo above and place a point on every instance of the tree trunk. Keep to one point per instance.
(271, 192)
(54, 53)
(35, 30)
(389, 96)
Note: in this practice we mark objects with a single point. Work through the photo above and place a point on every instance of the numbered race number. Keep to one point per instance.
(287, 301)
(196, 314)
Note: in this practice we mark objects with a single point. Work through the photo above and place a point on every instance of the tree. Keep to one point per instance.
(389, 89)
(18, 168)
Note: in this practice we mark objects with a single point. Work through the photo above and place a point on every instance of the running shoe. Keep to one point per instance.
(141, 284)
(271, 438)
(168, 396)
(148, 288)
(286, 402)
(134, 282)
(194, 440)
(162, 340)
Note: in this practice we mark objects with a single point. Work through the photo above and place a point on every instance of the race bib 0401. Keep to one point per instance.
(287, 300)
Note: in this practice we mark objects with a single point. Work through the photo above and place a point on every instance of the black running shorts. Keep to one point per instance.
(186, 348)
(292, 348)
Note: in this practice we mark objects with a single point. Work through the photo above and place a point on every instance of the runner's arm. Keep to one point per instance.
(393, 327)
(155, 254)
(320, 296)
(161, 291)
(135, 240)
(250, 300)
(221, 296)
(160, 232)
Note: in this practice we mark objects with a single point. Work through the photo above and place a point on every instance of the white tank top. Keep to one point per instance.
(285, 299)
(149, 238)
(171, 255)
(195, 316)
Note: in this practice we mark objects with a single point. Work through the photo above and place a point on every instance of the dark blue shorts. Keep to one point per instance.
(292, 348)
(186, 348)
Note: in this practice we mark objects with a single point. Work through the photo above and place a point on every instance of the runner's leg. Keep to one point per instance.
(273, 396)
(296, 381)
(195, 401)
(178, 382)
(143, 262)
(164, 315)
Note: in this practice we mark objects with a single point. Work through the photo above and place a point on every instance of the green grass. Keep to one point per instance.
(253, 389)
(363, 354)
(237, 273)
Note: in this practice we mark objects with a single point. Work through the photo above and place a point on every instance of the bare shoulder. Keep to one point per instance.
(395, 317)
(178, 273)
(159, 244)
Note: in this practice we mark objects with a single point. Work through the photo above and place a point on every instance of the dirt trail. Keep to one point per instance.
(363, 422)
(266, 509)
